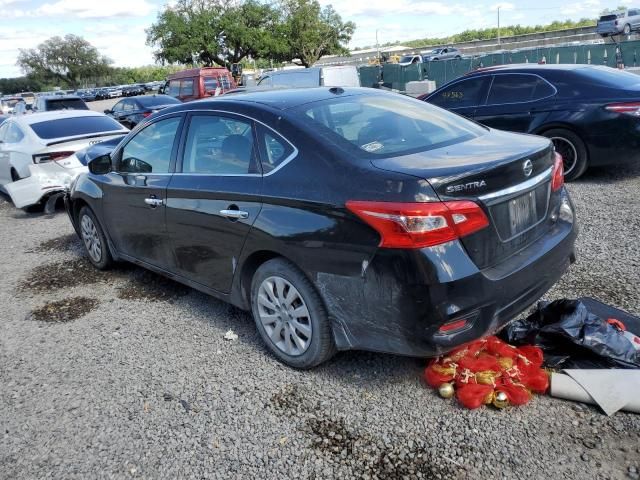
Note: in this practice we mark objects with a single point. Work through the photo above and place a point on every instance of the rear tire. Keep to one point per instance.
(290, 315)
(627, 29)
(15, 176)
(573, 151)
(94, 239)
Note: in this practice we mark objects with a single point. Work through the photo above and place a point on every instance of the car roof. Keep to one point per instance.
(533, 67)
(55, 115)
(283, 99)
(59, 97)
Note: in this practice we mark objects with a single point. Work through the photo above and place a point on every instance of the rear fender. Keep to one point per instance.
(43, 180)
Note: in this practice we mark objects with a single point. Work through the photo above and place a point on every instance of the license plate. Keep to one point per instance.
(522, 212)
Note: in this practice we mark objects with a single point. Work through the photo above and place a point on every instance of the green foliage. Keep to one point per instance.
(491, 33)
(66, 60)
(208, 32)
(312, 31)
(9, 86)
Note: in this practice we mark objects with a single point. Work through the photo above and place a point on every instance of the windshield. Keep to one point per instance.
(386, 125)
(406, 59)
(75, 126)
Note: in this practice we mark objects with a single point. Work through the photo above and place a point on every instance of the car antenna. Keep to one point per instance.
(336, 90)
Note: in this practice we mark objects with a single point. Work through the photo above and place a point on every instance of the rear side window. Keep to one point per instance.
(149, 151)
(219, 145)
(466, 93)
(186, 88)
(174, 88)
(387, 124)
(516, 88)
(13, 134)
(66, 104)
(273, 149)
(210, 84)
(71, 127)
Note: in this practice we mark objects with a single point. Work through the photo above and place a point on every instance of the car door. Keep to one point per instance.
(214, 199)
(516, 102)
(15, 153)
(117, 111)
(128, 109)
(634, 19)
(462, 96)
(134, 195)
(5, 169)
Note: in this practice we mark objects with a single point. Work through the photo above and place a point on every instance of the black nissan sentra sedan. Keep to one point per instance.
(342, 218)
(591, 113)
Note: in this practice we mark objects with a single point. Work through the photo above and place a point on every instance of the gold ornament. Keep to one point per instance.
(486, 377)
(446, 390)
(500, 400)
(505, 362)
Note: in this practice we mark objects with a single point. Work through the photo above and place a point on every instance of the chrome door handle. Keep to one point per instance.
(235, 214)
(154, 202)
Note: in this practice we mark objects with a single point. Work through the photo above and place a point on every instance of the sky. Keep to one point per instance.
(117, 27)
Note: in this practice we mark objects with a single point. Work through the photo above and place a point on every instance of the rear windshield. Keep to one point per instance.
(66, 104)
(610, 77)
(388, 125)
(71, 127)
(151, 101)
(606, 18)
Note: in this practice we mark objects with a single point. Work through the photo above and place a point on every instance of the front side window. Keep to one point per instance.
(384, 125)
(466, 93)
(219, 145)
(149, 151)
(515, 88)
(174, 88)
(118, 106)
(128, 106)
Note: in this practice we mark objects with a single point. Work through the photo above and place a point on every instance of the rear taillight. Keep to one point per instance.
(51, 157)
(417, 225)
(557, 177)
(630, 108)
(146, 114)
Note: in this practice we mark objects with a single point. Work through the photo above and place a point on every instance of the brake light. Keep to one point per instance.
(51, 157)
(418, 225)
(630, 108)
(557, 177)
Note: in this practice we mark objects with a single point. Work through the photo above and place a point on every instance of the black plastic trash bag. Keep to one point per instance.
(578, 334)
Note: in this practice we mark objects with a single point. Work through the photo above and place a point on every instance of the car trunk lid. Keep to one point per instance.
(509, 175)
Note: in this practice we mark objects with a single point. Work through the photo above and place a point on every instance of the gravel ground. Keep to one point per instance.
(127, 375)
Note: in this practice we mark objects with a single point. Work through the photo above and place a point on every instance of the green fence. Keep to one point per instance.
(396, 77)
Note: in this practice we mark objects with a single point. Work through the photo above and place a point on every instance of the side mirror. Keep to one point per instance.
(107, 111)
(100, 165)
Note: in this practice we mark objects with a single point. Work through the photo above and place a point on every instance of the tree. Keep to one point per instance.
(212, 32)
(63, 60)
(312, 31)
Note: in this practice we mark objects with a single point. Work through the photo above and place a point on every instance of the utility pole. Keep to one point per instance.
(498, 24)
(378, 46)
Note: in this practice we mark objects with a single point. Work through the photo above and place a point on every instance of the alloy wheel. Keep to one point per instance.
(91, 238)
(568, 151)
(284, 316)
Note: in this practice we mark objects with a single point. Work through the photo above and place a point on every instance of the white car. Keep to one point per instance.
(115, 93)
(37, 152)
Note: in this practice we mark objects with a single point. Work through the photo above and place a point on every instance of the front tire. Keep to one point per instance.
(94, 239)
(290, 315)
(573, 151)
(627, 29)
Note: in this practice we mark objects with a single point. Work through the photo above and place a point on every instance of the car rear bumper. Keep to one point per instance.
(404, 298)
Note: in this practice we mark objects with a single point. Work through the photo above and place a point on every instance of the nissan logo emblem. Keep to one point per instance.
(527, 167)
